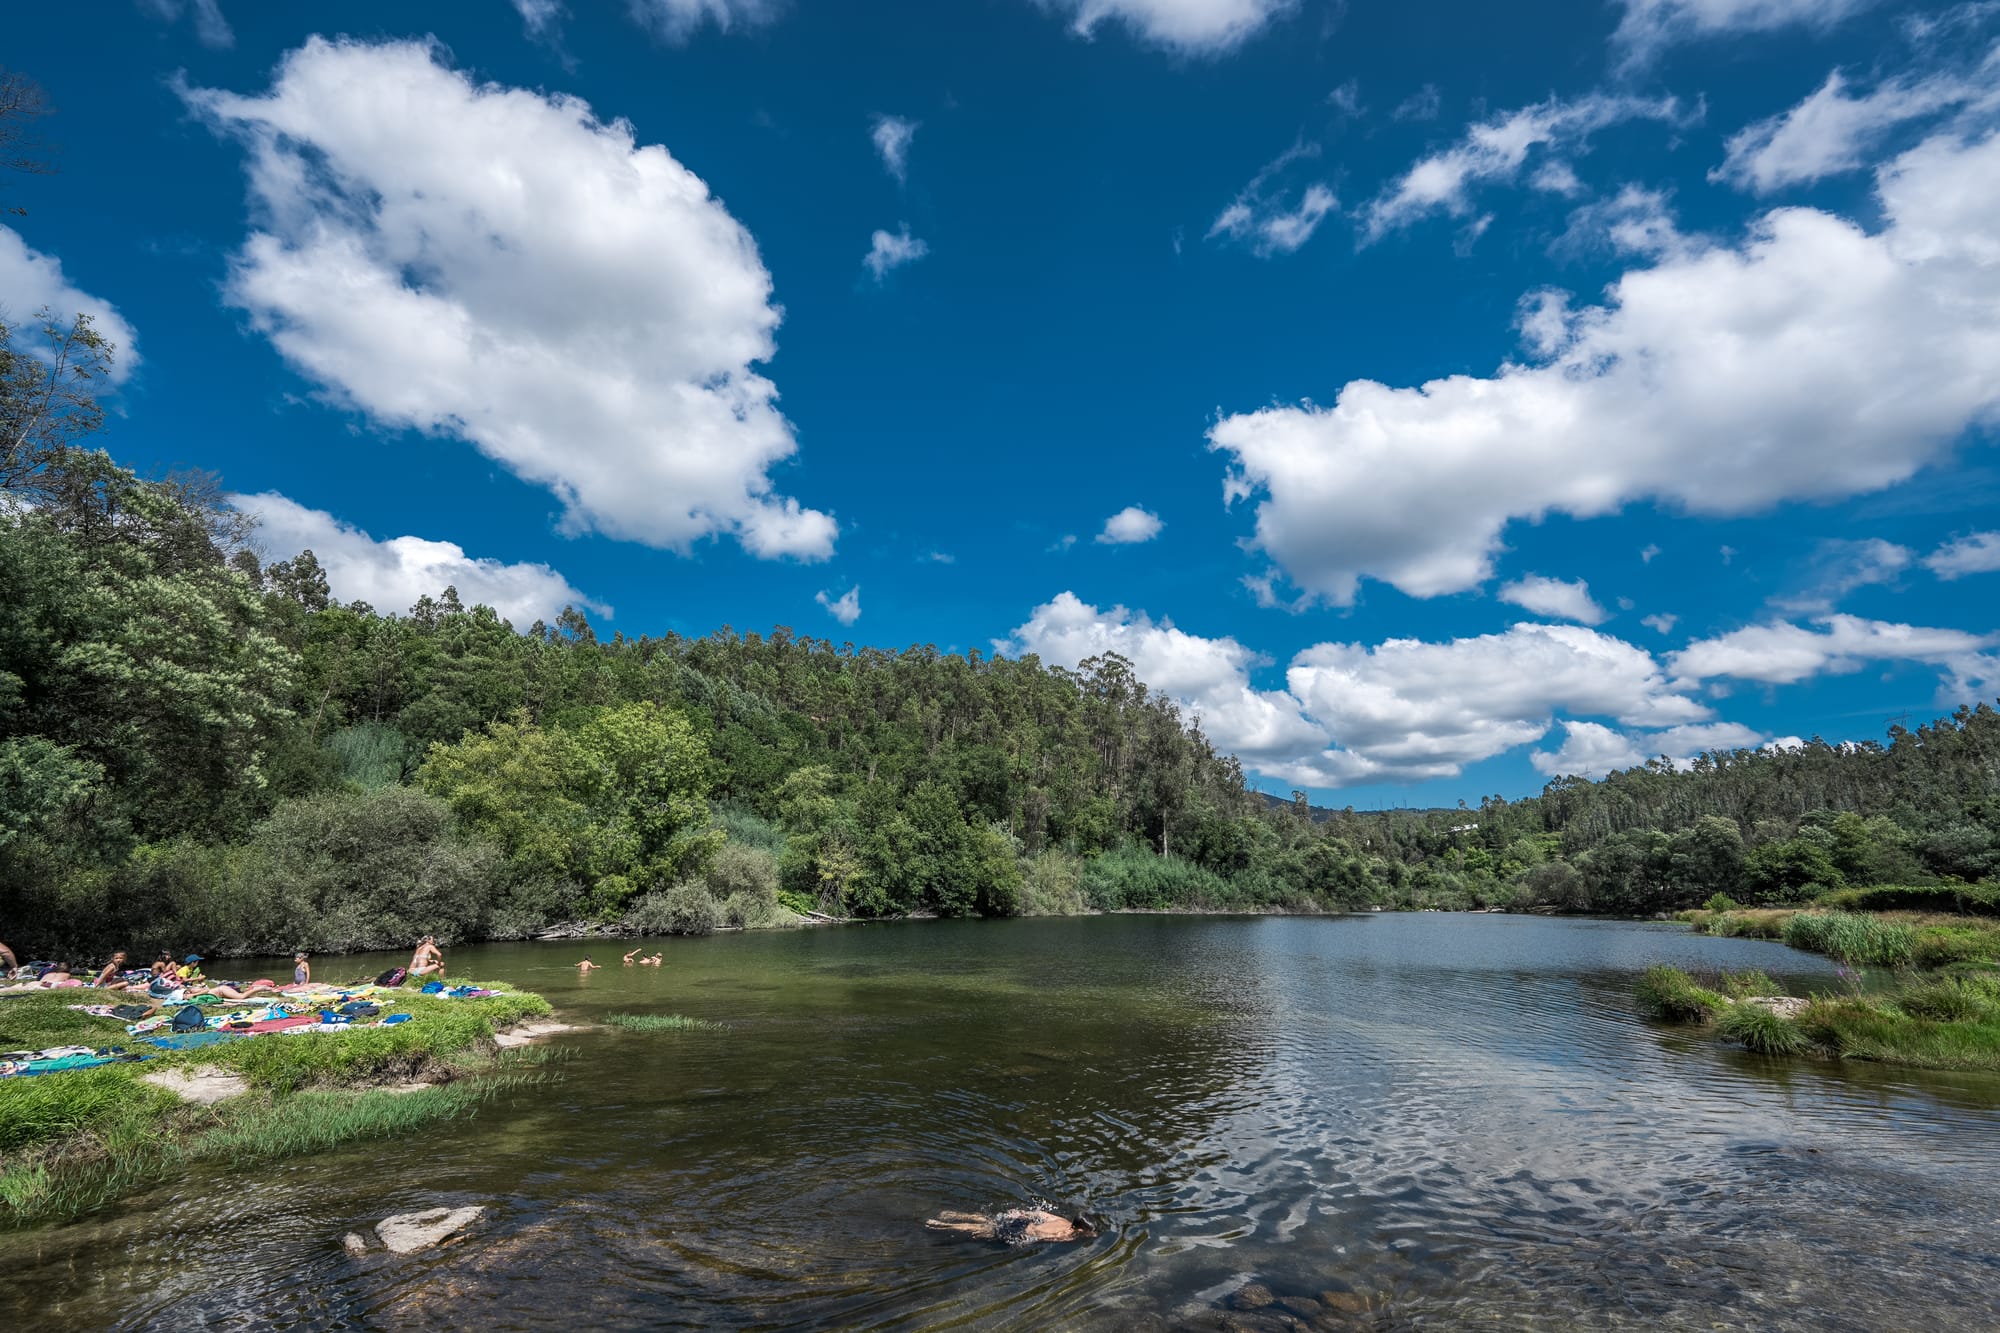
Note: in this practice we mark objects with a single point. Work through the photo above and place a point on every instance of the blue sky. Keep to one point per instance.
(1434, 397)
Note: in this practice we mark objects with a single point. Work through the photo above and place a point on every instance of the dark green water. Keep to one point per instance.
(1443, 1121)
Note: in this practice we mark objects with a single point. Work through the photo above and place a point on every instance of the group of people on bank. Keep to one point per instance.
(167, 981)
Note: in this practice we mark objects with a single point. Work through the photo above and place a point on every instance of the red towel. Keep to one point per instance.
(280, 1024)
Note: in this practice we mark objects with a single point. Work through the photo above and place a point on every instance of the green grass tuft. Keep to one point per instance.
(661, 1023)
(1851, 938)
(1754, 1026)
(1669, 994)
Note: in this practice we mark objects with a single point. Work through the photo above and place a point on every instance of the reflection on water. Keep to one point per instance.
(1381, 1122)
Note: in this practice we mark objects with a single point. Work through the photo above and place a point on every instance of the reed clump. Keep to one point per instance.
(661, 1023)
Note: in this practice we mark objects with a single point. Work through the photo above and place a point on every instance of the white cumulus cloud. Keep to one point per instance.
(1782, 653)
(499, 265)
(1130, 524)
(1975, 553)
(1815, 360)
(1495, 151)
(1553, 597)
(1591, 749)
(391, 575)
(892, 250)
(845, 608)
(892, 136)
(1191, 27)
(31, 280)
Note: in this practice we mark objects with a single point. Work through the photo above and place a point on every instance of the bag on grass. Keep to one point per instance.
(129, 1012)
(189, 1020)
(360, 1009)
(393, 977)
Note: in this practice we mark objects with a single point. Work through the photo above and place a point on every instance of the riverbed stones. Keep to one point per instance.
(1252, 1296)
(406, 1233)
(204, 1087)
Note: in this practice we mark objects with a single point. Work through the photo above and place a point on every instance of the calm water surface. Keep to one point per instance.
(1392, 1121)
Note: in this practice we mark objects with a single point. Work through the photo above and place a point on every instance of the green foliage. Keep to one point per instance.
(1743, 983)
(51, 1107)
(1759, 1029)
(661, 1023)
(1052, 885)
(1791, 871)
(1857, 1029)
(1135, 878)
(684, 909)
(1671, 995)
(1960, 899)
(1721, 903)
(1851, 938)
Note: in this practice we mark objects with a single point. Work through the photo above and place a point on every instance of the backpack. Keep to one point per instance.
(189, 1020)
(360, 1009)
(130, 1012)
(393, 977)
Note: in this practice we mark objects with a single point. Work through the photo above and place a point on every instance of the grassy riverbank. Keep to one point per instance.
(1934, 1021)
(72, 1141)
(1925, 940)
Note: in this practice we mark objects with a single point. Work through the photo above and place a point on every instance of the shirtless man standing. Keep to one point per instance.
(586, 966)
(427, 959)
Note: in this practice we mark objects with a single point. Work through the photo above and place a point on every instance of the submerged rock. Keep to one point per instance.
(353, 1243)
(527, 1032)
(1252, 1296)
(407, 1233)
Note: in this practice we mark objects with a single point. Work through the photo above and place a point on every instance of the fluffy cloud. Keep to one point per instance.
(1130, 524)
(1649, 25)
(391, 575)
(1192, 27)
(1832, 131)
(1268, 217)
(892, 250)
(1209, 677)
(1407, 709)
(30, 280)
(1783, 653)
(580, 308)
(1553, 597)
(676, 20)
(892, 136)
(1976, 553)
(1663, 622)
(1496, 150)
(1814, 360)
(211, 29)
(1591, 749)
(845, 608)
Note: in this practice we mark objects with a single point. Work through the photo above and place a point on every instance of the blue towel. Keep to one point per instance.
(188, 1041)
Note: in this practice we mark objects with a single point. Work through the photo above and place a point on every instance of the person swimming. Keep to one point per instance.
(654, 961)
(635, 953)
(586, 966)
(1015, 1226)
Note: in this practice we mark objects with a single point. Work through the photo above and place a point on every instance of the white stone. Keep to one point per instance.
(202, 1086)
(406, 1233)
(527, 1032)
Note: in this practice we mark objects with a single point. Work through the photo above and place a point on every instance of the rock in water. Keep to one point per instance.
(353, 1243)
(406, 1233)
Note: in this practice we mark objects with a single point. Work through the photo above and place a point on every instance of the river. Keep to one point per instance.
(1412, 1120)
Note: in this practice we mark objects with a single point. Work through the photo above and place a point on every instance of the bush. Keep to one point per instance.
(1762, 1031)
(746, 828)
(684, 909)
(1134, 877)
(746, 873)
(1669, 994)
(1863, 940)
(1052, 885)
(1720, 903)
(1742, 984)
(1960, 899)
(1952, 999)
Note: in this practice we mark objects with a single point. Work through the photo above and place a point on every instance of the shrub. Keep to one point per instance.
(1052, 885)
(684, 909)
(1762, 1031)
(746, 828)
(1962, 899)
(745, 881)
(1720, 903)
(1852, 939)
(1951, 999)
(1135, 877)
(1669, 994)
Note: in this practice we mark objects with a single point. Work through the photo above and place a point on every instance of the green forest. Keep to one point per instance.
(198, 749)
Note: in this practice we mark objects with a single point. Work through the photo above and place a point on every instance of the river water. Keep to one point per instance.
(1392, 1121)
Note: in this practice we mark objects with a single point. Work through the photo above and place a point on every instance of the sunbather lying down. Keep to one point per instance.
(1016, 1226)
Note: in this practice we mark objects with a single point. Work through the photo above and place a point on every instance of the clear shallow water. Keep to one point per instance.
(1409, 1121)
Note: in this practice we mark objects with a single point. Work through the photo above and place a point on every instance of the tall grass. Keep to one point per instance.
(661, 1023)
(1669, 994)
(1851, 938)
(1136, 877)
(1757, 1028)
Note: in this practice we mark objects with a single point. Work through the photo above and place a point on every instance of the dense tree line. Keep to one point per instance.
(196, 746)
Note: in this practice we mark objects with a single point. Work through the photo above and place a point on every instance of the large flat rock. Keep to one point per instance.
(527, 1032)
(203, 1086)
(406, 1233)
